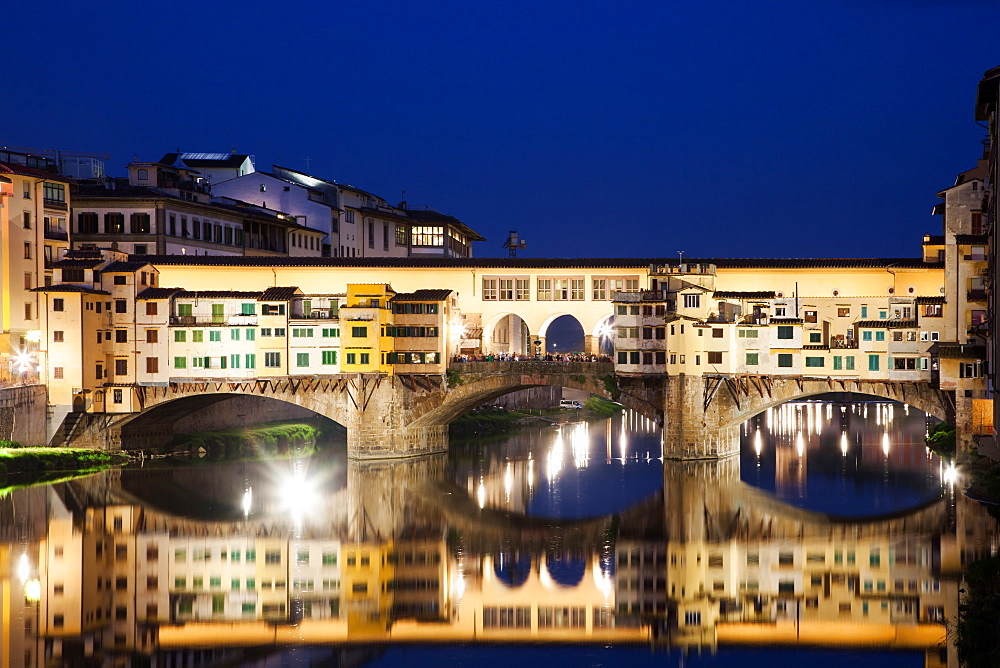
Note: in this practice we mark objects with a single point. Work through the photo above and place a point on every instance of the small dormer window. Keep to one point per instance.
(143, 175)
(263, 188)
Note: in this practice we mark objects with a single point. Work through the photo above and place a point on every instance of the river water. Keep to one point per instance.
(834, 536)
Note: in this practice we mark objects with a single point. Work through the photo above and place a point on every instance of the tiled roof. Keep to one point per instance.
(933, 240)
(930, 300)
(426, 295)
(278, 294)
(780, 320)
(217, 294)
(77, 264)
(83, 255)
(158, 293)
(957, 351)
(66, 287)
(535, 263)
(130, 266)
(22, 170)
(885, 324)
(736, 294)
(207, 159)
(971, 239)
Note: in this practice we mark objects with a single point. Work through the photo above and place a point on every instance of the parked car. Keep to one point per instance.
(570, 404)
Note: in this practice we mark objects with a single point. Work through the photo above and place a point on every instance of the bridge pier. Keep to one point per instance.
(690, 429)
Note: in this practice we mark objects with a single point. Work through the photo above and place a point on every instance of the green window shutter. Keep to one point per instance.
(752, 359)
(218, 313)
(180, 336)
(234, 335)
(850, 362)
(184, 310)
(873, 362)
(197, 336)
(838, 362)
(180, 362)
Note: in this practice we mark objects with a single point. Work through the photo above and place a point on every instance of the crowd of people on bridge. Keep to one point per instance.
(523, 357)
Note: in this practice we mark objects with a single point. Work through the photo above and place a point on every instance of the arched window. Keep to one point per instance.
(143, 174)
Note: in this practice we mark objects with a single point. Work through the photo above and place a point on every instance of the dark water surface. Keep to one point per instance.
(834, 537)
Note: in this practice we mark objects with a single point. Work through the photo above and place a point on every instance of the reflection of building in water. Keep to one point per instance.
(711, 561)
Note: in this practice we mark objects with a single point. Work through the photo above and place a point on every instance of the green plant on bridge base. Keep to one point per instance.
(941, 439)
(611, 386)
(454, 378)
(578, 378)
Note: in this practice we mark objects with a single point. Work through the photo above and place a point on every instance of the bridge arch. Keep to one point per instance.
(157, 424)
(745, 400)
(510, 341)
(475, 383)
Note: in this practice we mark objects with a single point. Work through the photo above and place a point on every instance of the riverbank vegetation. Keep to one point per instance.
(15, 460)
(941, 440)
(978, 635)
(494, 420)
(267, 439)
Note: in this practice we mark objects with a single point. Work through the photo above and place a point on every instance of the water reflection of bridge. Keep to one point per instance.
(396, 552)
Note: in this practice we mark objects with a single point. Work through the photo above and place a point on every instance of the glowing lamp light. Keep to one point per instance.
(34, 335)
(33, 591)
(247, 500)
(950, 474)
(23, 568)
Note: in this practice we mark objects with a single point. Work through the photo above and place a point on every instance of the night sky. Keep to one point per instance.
(730, 128)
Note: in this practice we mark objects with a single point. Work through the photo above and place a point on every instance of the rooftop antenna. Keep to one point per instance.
(680, 258)
(513, 243)
(308, 161)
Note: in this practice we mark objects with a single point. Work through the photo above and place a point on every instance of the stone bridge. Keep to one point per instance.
(404, 415)
(408, 415)
(702, 413)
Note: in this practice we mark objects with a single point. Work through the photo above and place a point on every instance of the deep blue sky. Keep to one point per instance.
(726, 128)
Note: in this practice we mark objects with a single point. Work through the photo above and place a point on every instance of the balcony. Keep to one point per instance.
(54, 204)
(315, 314)
(235, 320)
(56, 233)
(844, 343)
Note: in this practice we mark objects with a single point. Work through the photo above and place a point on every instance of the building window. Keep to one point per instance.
(114, 223)
(121, 336)
(880, 336)
(715, 357)
(359, 332)
(844, 312)
(117, 396)
(54, 192)
(121, 367)
(544, 289)
(785, 360)
(752, 359)
(301, 359)
(425, 235)
(152, 365)
(329, 357)
(180, 362)
(27, 220)
(810, 316)
(786, 332)
(873, 362)
(58, 304)
(692, 301)
(272, 360)
(121, 306)
(29, 312)
(57, 336)
(815, 337)
(27, 250)
(814, 361)
(490, 289)
(139, 223)
(522, 285)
